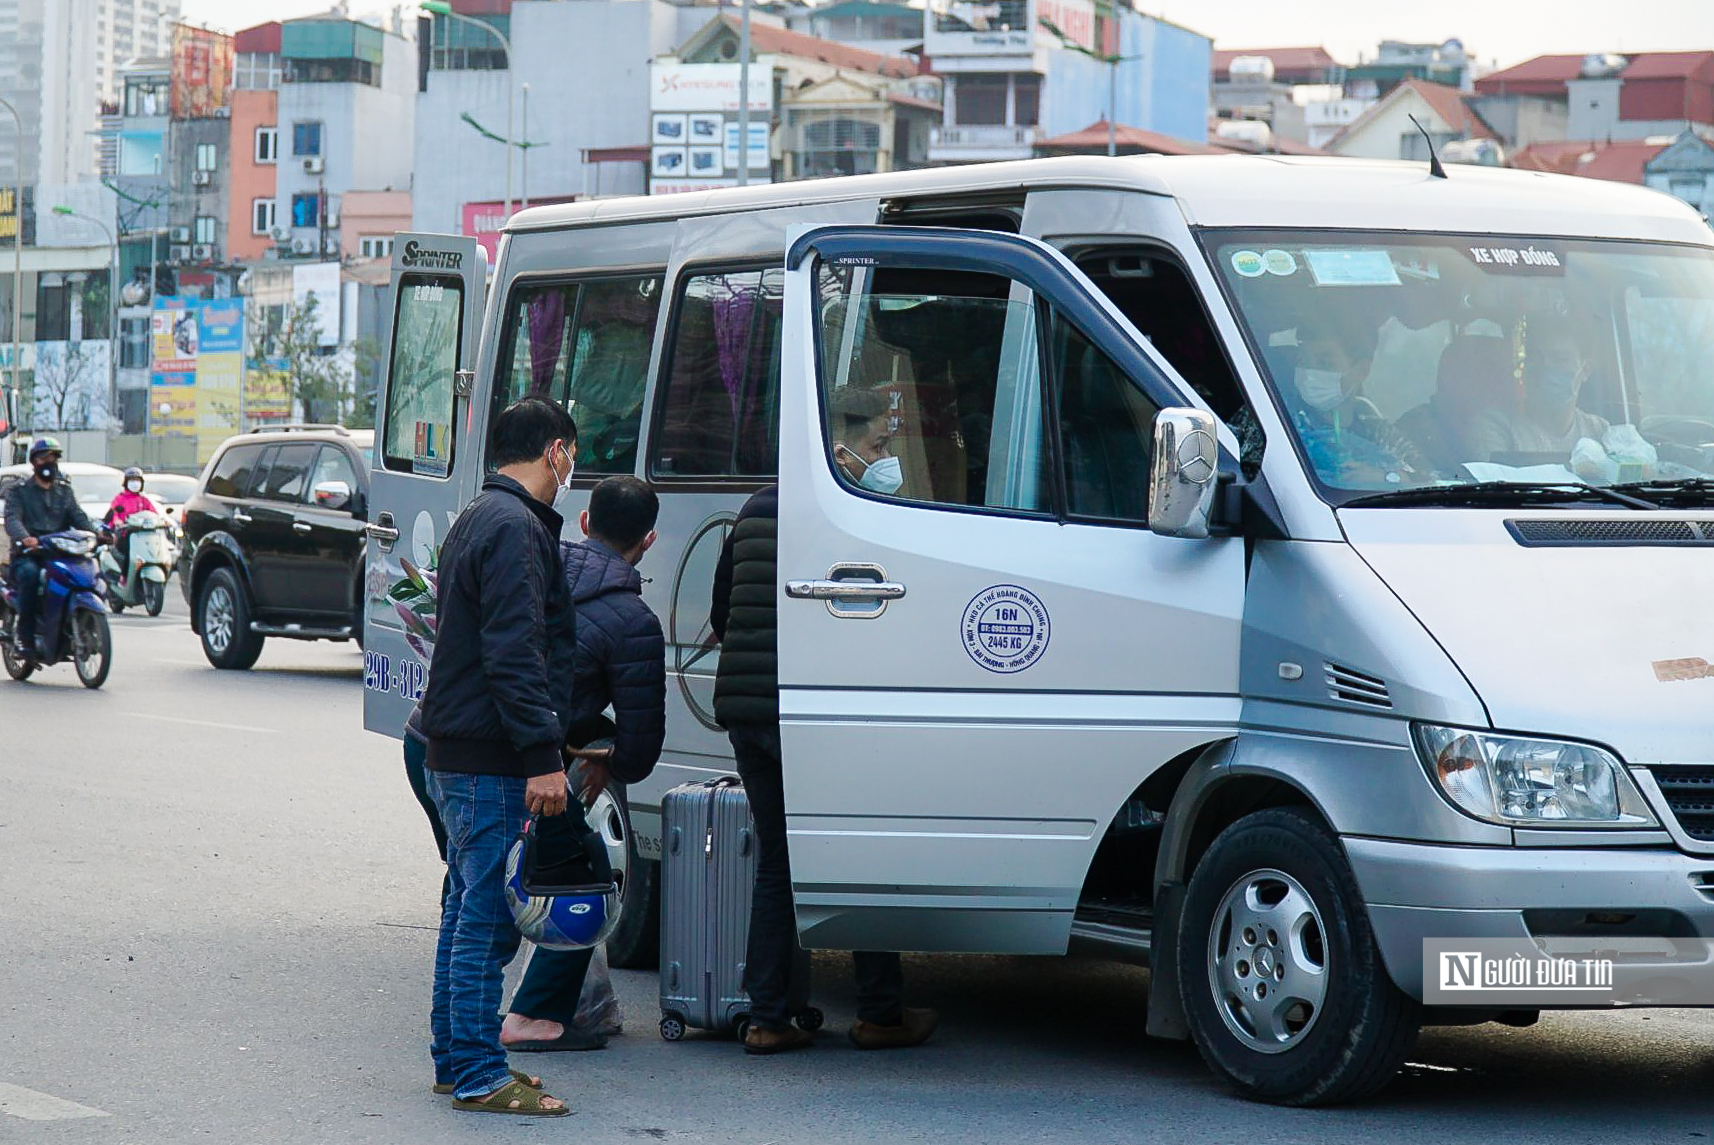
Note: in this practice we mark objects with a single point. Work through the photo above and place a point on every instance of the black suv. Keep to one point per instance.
(274, 540)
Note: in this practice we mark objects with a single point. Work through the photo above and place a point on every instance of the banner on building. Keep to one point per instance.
(202, 72)
(10, 215)
(483, 221)
(693, 125)
(196, 386)
(174, 336)
(321, 281)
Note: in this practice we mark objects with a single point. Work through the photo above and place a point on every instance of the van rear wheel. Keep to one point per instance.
(1284, 988)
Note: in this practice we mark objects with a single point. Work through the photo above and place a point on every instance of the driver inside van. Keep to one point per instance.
(864, 448)
(1345, 436)
(1547, 419)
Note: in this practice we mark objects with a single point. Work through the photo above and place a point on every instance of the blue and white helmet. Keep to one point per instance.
(569, 901)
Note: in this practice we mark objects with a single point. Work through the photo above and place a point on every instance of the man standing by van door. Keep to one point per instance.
(747, 704)
(495, 715)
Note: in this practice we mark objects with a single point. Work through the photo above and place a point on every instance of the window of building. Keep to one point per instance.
(346, 69)
(376, 246)
(261, 216)
(306, 138)
(204, 229)
(721, 413)
(53, 310)
(257, 71)
(586, 345)
(306, 210)
(1026, 100)
(427, 329)
(147, 96)
(942, 370)
(133, 343)
(456, 45)
(839, 145)
(207, 156)
(267, 144)
(981, 100)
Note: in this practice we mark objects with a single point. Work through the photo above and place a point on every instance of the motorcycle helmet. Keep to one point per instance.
(560, 889)
(45, 445)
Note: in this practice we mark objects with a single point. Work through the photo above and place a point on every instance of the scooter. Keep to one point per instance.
(144, 583)
(72, 622)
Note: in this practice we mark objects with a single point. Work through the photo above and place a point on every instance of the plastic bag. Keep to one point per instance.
(1636, 458)
(598, 1006)
(1590, 462)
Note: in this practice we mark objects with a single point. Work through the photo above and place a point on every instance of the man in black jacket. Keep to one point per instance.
(35, 508)
(621, 661)
(747, 704)
(495, 715)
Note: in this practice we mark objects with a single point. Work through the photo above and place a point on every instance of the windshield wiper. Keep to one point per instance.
(1696, 490)
(1500, 492)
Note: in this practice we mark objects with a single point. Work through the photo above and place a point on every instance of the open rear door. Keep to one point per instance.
(424, 466)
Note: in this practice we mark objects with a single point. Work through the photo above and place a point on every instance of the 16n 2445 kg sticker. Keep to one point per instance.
(1005, 628)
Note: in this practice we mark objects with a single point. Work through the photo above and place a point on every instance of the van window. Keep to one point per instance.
(288, 474)
(720, 414)
(232, 474)
(1106, 428)
(942, 371)
(427, 328)
(586, 346)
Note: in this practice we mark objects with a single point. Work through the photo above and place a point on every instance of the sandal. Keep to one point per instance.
(513, 1097)
(518, 1075)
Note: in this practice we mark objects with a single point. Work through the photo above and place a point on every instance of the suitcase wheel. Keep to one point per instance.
(810, 1020)
(672, 1029)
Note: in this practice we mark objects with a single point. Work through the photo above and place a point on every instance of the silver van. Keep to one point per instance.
(1289, 567)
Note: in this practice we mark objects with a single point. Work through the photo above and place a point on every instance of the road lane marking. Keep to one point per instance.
(32, 1106)
(201, 723)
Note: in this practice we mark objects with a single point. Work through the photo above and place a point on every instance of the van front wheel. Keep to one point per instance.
(1284, 988)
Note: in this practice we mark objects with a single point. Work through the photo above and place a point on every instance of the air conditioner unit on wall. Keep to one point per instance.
(313, 165)
(302, 246)
(200, 178)
(179, 252)
(203, 252)
(281, 234)
(181, 234)
(333, 218)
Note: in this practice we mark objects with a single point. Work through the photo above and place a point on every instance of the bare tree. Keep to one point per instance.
(312, 374)
(62, 386)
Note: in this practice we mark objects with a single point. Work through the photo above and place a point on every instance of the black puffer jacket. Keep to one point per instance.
(621, 656)
(498, 699)
(745, 616)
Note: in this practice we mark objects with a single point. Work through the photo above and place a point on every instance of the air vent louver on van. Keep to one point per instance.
(1689, 794)
(1628, 531)
(1357, 687)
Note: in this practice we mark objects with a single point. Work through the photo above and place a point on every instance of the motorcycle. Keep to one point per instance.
(151, 562)
(72, 619)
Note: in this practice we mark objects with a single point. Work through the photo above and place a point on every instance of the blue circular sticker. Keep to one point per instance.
(1005, 628)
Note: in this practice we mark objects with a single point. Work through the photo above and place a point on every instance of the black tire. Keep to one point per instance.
(635, 943)
(115, 605)
(223, 614)
(154, 596)
(1357, 1035)
(92, 648)
(672, 1029)
(16, 668)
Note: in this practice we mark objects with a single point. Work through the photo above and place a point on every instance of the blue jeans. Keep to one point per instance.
(482, 815)
(27, 578)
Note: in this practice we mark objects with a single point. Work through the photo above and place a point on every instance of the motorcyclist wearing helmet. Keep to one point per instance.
(128, 500)
(35, 508)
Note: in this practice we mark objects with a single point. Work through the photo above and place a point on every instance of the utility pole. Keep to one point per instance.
(744, 95)
(15, 405)
(112, 299)
(442, 8)
(1112, 61)
(524, 158)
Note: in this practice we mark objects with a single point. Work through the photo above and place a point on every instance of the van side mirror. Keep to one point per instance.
(1182, 476)
(332, 495)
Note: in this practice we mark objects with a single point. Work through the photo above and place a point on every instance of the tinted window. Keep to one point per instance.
(932, 387)
(288, 473)
(1106, 426)
(721, 412)
(585, 345)
(426, 331)
(334, 464)
(233, 472)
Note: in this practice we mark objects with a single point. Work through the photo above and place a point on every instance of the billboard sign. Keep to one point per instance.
(709, 87)
(693, 125)
(202, 72)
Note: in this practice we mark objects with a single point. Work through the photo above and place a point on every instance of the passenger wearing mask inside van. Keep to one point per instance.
(1347, 439)
(864, 448)
(1473, 374)
(1547, 419)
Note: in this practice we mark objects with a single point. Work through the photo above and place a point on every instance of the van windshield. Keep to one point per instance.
(1442, 362)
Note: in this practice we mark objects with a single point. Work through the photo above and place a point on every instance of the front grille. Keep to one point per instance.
(1560, 534)
(1689, 795)
(1356, 687)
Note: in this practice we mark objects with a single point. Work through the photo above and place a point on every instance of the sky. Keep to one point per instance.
(1502, 31)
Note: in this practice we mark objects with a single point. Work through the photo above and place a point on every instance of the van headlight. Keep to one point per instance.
(1522, 781)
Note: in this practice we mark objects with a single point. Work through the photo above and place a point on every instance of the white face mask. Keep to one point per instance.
(884, 475)
(564, 483)
(1320, 389)
(134, 486)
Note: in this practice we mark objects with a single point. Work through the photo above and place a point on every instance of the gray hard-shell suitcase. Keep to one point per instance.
(708, 871)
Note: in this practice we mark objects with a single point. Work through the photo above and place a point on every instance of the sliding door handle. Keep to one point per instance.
(844, 590)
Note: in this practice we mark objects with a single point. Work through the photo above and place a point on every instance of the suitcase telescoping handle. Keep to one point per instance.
(708, 829)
